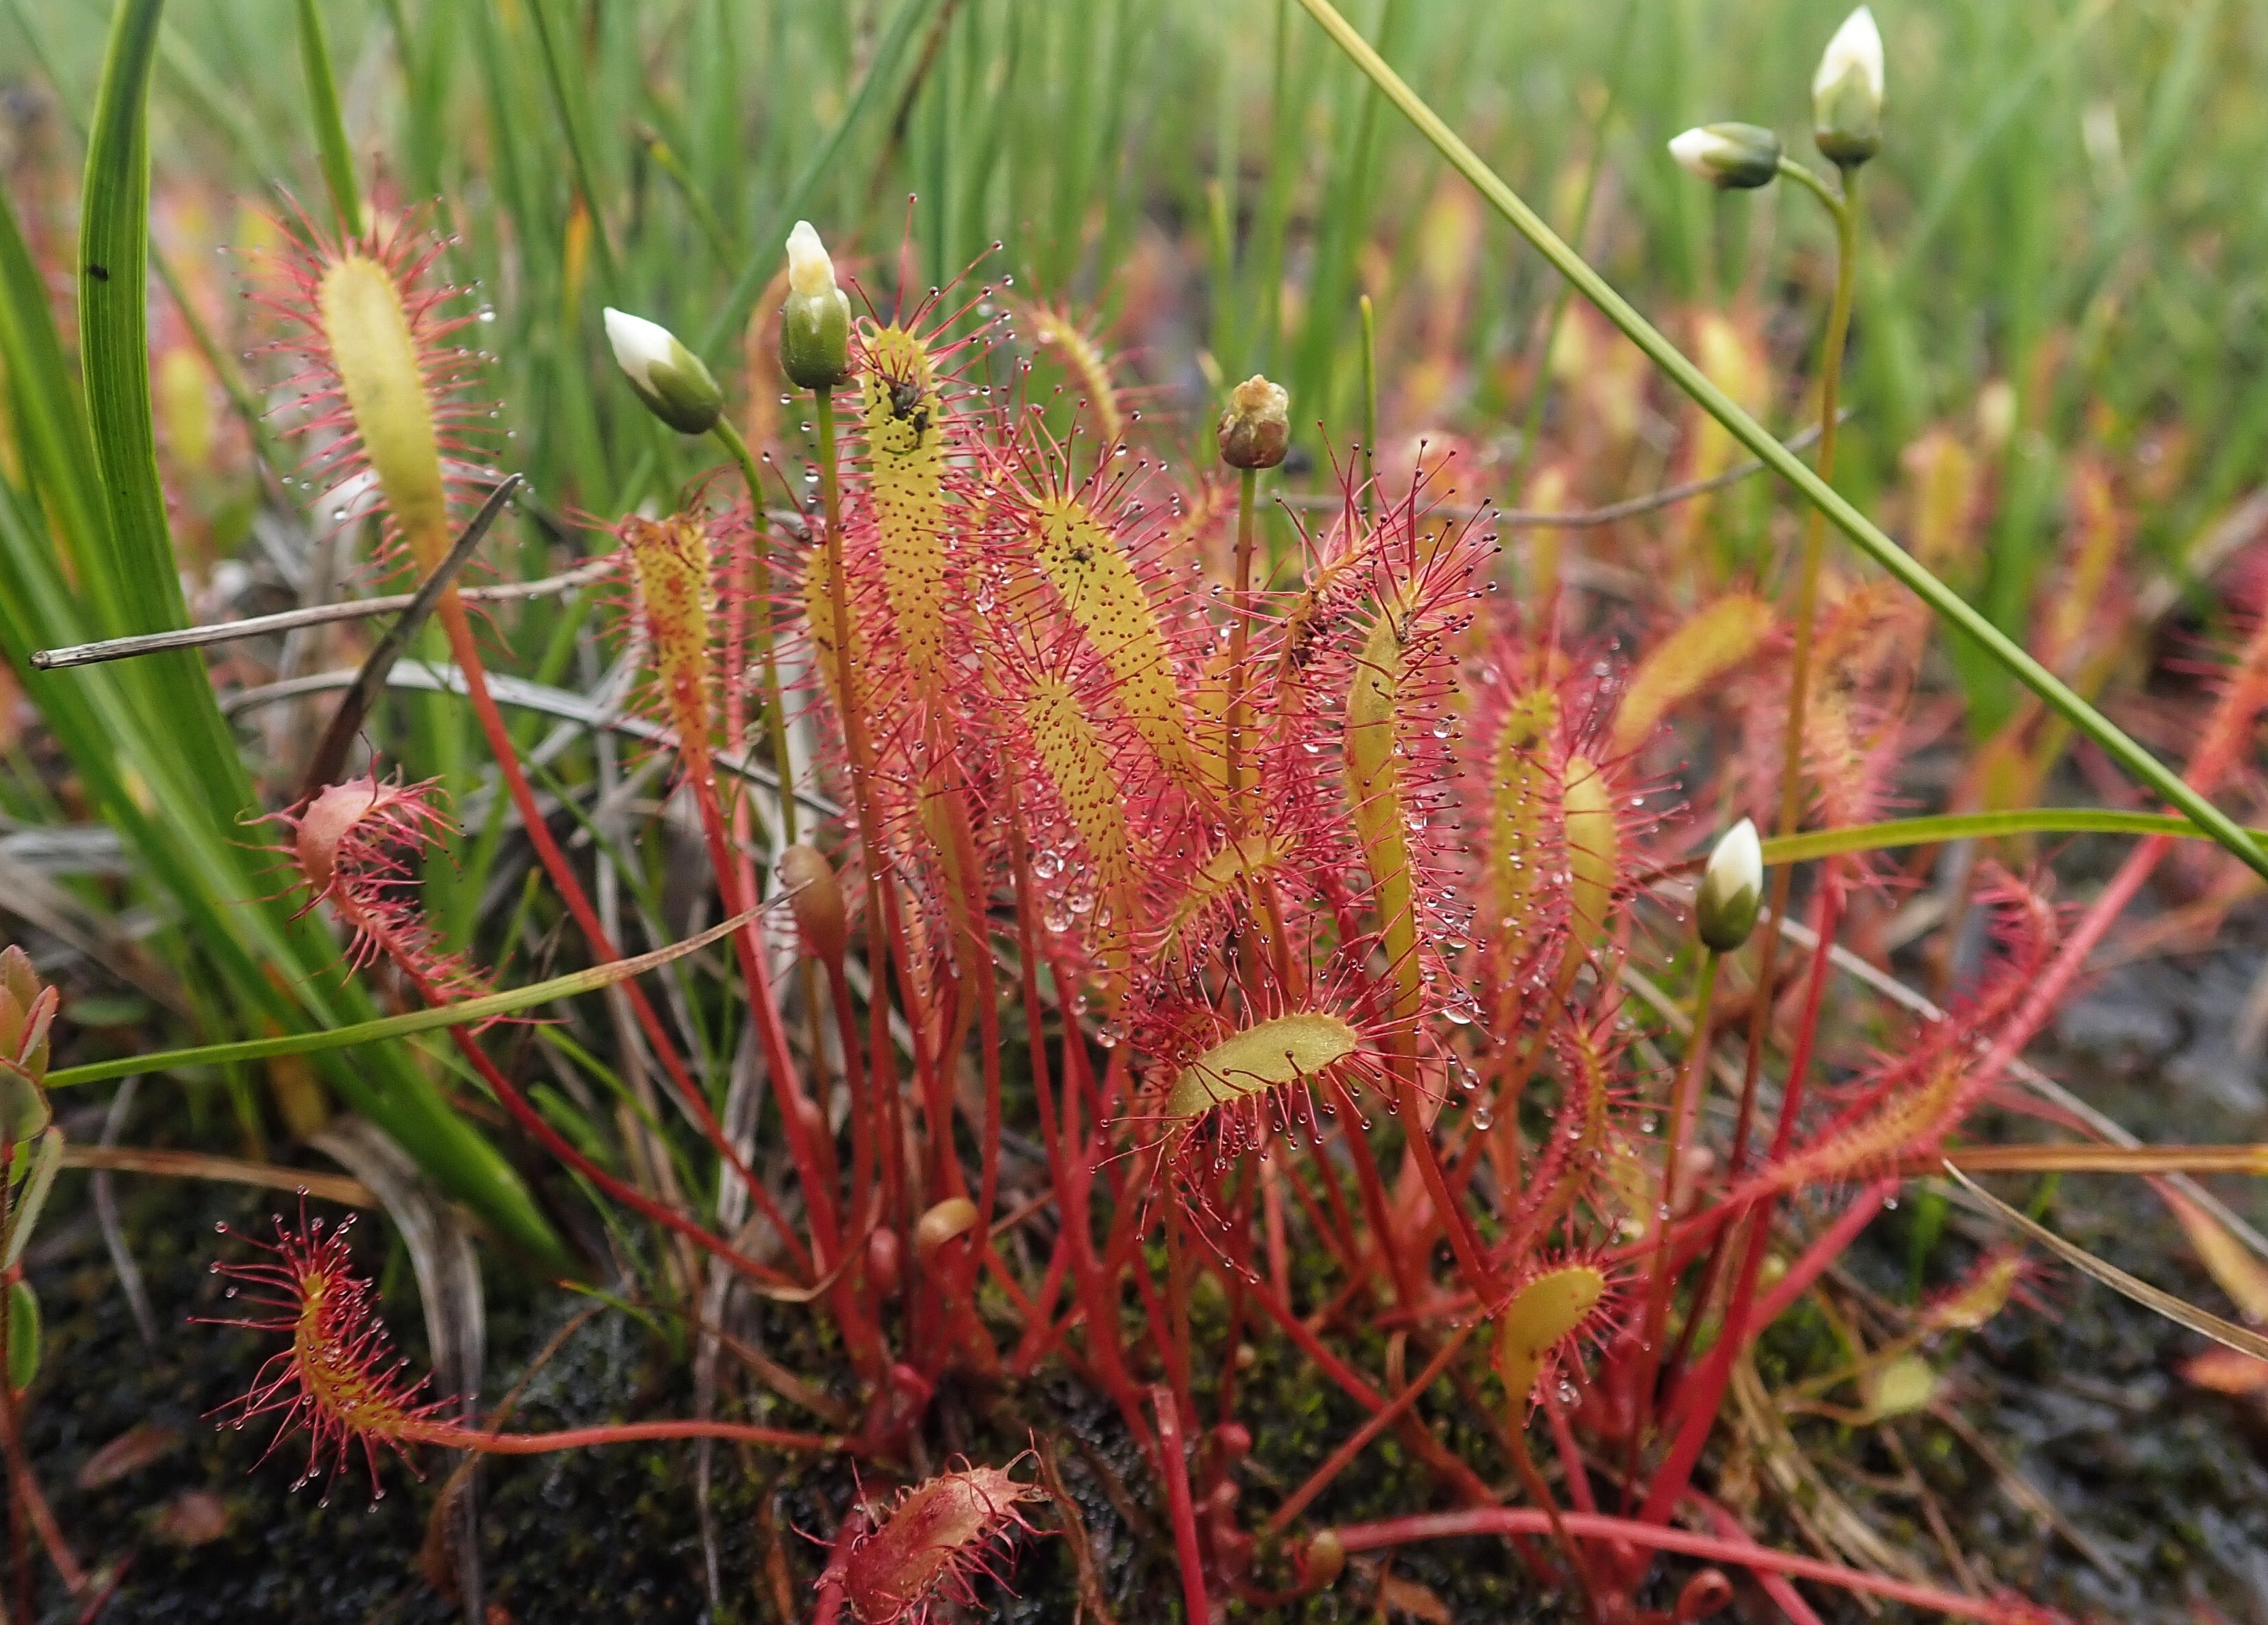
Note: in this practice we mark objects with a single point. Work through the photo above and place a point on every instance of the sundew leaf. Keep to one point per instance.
(1081, 560)
(1712, 643)
(1542, 1315)
(1264, 1056)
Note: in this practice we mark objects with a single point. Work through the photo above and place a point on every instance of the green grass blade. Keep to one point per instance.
(2179, 1311)
(569, 96)
(1869, 537)
(1811, 844)
(330, 124)
(56, 447)
(469, 1013)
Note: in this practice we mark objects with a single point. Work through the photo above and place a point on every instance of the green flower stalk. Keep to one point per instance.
(1724, 913)
(1255, 432)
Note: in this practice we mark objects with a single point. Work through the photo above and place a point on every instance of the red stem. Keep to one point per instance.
(978, 986)
(449, 1437)
(1040, 1333)
(814, 1162)
(1443, 1461)
(1377, 1205)
(466, 651)
(29, 1502)
(1338, 1461)
(1176, 1469)
(1776, 1586)
(1716, 1548)
(1096, 1292)
(834, 1581)
(1175, 1349)
(1700, 1400)
(552, 1140)
(1701, 1393)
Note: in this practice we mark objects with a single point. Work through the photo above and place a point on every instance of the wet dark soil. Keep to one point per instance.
(2158, 1488)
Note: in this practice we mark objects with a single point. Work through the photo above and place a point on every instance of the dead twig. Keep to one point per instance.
(114, 1232)
(330, 752)
(66, 656)
(229, 1170)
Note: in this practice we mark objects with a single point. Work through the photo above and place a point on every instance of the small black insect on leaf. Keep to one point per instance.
(100, 273)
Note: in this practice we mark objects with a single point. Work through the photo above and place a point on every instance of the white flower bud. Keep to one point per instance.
(1732, 890)
(1730, 156)
(639, 344)
(1847, 92)
(810, 272)
(815, 322)
(672, 381)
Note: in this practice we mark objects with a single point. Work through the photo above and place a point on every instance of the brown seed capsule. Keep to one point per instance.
(955, 1215)
(1256, 431)
(1707, 1592)
(816, 897)
(1324, 1561)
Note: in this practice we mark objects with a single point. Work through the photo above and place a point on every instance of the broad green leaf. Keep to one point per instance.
(37, 1170)
(23, 1336)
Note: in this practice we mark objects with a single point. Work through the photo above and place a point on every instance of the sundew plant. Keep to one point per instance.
(1152, 989)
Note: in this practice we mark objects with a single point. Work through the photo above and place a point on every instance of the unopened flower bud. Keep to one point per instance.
(815, 322)
(1732, 890)
(1256, 431)
(1847, 92)
(884, 1265)
(672, 381)
(27, 1009)
(1730, 157)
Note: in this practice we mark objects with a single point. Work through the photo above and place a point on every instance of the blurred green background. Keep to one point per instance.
(2069, 199)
